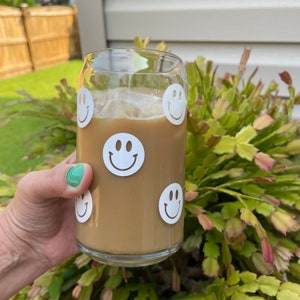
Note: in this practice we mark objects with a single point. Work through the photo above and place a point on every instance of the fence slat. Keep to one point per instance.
(14, 52)
(37, 37)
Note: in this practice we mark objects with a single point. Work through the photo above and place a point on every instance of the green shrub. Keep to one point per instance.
(16, 3)
(242, 198)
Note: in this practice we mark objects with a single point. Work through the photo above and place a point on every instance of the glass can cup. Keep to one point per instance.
(131, 126)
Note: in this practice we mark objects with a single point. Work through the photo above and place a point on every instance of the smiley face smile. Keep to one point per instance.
(82, 120)
(84, 211)
(122, 169)
(171, 111)
(178, 210)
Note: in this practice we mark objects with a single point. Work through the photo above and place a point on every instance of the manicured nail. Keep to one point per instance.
(74, 175)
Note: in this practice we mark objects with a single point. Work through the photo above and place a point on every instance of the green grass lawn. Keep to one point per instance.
(41, 85)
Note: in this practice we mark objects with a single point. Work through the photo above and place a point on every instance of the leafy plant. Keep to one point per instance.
(242, 198)
(60, 135)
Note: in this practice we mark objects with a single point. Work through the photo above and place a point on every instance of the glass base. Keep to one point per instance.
(129, 260)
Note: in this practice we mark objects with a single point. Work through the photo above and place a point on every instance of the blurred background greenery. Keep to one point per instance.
(41, 85)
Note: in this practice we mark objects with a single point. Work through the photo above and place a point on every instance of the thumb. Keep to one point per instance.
(63, 181)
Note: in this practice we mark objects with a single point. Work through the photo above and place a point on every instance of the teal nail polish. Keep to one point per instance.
(74, 175)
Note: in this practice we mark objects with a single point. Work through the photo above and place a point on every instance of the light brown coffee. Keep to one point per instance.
(125, 217)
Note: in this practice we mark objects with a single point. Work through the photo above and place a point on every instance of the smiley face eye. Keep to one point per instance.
(173, 195)
(82, 99)
(128, 146)
(118, 145)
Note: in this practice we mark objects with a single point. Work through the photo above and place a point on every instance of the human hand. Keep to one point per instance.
(39, 223)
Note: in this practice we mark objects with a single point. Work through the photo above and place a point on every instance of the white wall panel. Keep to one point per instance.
(216, 29)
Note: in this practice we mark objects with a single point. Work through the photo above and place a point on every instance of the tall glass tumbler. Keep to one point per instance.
(131, 117)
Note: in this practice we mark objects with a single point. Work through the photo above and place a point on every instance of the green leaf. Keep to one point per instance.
(210, 267)
(121, 293)
(246, 151)
(293, 148)
(295, 269)
(226, 145)
(245, 135)
(250, 287)
(211, 249)
(269, 290)
(192, 242)
(86, 293)
(287, 295)
(264, 209)
(229, 120)
(217, 220)
(291, 286)
(231, 209)
(253, 190)
(248, 217)
(239, 296)
(200, 61)
(233, 278)
(220, 108)
(54, 288)
(219, 174)
(113, 281)
(248, 277)
(91, 275)
(234, 227)
(226, 255)
(248, 249)
(229, 94)
(268, 280)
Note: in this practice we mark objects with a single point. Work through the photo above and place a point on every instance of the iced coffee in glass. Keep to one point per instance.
(131, 117)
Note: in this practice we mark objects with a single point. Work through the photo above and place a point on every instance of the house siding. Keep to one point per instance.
(219, 30)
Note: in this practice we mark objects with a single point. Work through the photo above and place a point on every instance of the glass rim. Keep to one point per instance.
(159, 54)
(134, 49)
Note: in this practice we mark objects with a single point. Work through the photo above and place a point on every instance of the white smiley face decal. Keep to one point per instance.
(83, 207)
(171, 203)
(123, 154)
(174, 104)
(85, 107)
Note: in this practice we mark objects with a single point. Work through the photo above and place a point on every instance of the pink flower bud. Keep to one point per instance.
(205, 222)
(284, 222)
(34, 291)
(263, 161)
(76, 291)
(267, 251)
(107, 294)
(262, 122)
(191, 195)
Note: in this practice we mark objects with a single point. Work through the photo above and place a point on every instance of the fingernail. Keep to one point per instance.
(74, 175)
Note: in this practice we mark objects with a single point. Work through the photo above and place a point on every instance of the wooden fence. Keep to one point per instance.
(36, 37)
